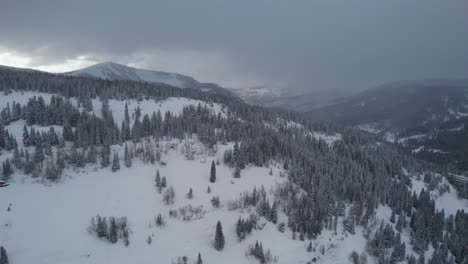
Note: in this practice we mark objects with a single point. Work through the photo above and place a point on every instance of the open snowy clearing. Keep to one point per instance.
(47, 222)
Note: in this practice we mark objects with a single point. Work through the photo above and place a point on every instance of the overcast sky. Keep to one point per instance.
(309, 44)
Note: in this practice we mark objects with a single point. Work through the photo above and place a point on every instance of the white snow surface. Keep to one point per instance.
(114, 71)
(47, 222)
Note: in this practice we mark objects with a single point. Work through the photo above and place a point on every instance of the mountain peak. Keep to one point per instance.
(110, 70)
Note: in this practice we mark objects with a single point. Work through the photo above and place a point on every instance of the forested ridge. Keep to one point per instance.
(356, 172)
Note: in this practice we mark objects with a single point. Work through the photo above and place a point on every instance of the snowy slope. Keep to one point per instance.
(131, 193)
(115, 71)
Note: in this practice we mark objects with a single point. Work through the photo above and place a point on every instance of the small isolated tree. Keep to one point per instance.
(219, 237)
(149, 240)
(163, 182)
(115, 163)
(169, 195)
(213, 172)
(215, 202)
(3, 256)
(159, 220)
(189, 195)
(199, 259)
(157, 179)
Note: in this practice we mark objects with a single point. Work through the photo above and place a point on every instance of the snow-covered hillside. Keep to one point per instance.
(115, 71)
(118, 174)
(60, 214)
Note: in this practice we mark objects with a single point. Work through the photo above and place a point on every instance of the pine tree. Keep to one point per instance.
(169, 195)
(2, 136)
(67, 131)
(237, 173)
(401, 222)
(163, 182)
(26, 139)
(39, 153)
(127, 158)
(113, 236)
(3, 256)
(101, 226)
(219, 237)
(125, 237)
(105, 156)
(7, 170)
(213, 172)
(274, 213)
(199, 259)
(157, 179)
(116, 163)
(190, 194)
(16, 159)
(149, 240)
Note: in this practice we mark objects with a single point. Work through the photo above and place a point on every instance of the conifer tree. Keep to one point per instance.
(274, 213)
(157, 179)
(67, 131)
(3, 256)
(237, 172)
(199, 259)
(163, 182)
(213, 172)
(190, 194)
(39, 153)
(219, 237)
(116, 163)
(7, 170)
(113, 237)
(26, 139)
(105, 156)
(127, 158)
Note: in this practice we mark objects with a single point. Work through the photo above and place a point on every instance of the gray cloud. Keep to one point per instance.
(300, 44)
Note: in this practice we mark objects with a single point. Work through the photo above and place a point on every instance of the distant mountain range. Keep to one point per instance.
(401, 104)
(428, 118)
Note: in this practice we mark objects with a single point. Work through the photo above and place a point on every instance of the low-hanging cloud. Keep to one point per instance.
(310, 45)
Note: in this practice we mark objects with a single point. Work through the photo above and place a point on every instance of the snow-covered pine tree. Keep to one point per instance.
(115, 163)
(189, 195)
(219, 237)
(163, 182)
(3, 256)
(113, 236)
(127, 158)
(157, 179)
(213, 172)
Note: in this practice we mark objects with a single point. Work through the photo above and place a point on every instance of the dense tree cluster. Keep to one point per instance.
(245, 226)
(111, 229)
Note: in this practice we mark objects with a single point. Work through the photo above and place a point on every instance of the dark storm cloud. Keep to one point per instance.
(300, 44)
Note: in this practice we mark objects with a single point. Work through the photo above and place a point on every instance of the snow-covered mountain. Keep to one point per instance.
(115, 71)
(128, 174)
